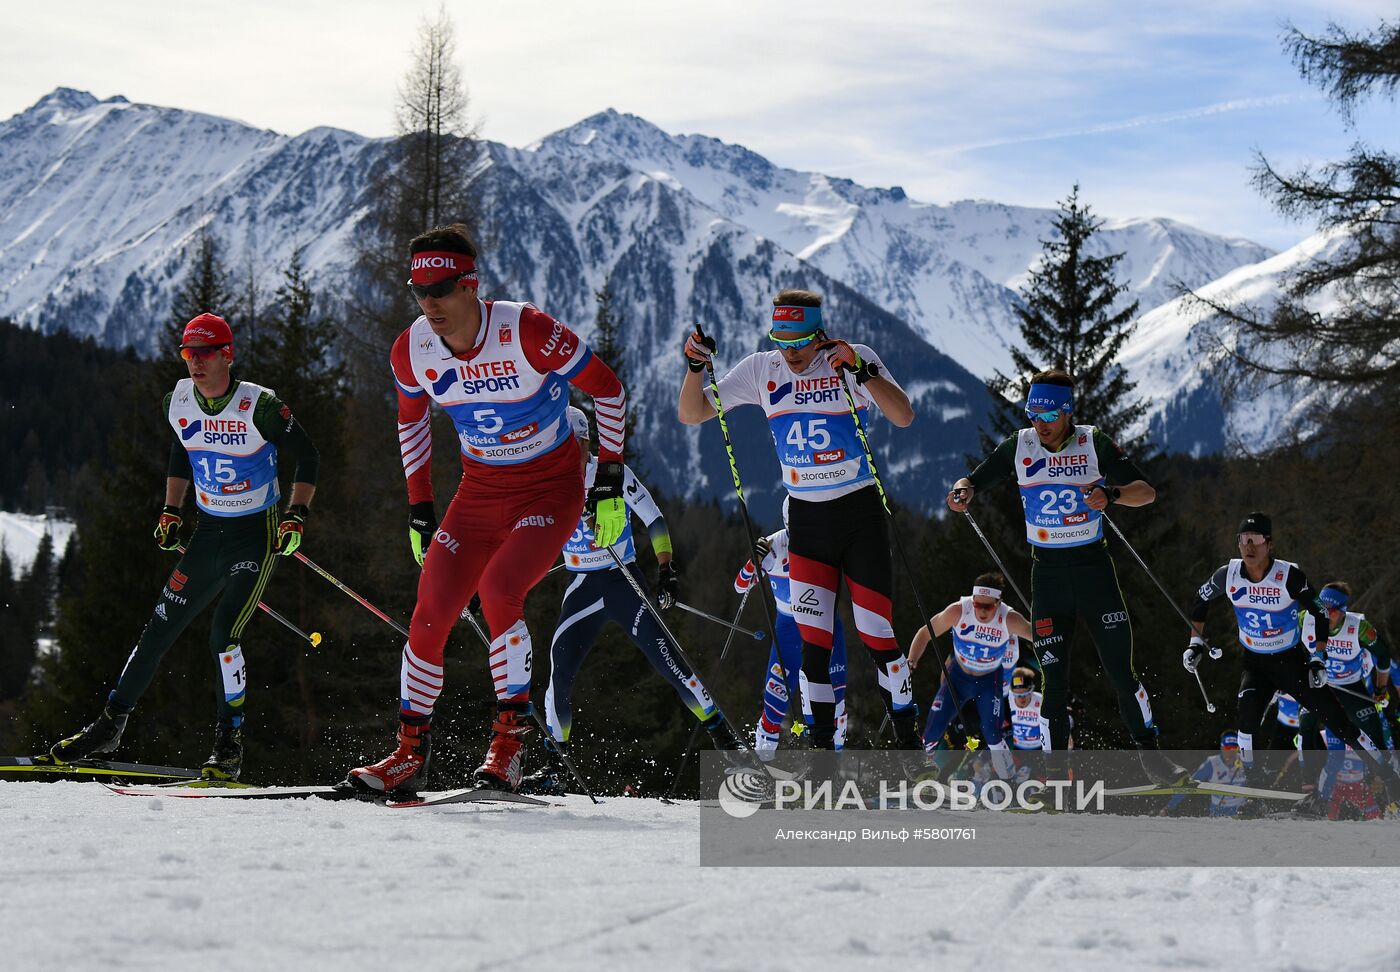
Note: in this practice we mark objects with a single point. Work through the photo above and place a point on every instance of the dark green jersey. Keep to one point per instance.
(274, 421)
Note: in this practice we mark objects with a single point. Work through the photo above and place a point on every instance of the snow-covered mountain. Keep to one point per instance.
(101, 200)
(1178, 355)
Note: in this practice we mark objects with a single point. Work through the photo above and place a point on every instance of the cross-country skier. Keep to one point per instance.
(837, 523)
(1225, 767)
(983, 627)
(227, 433)
(1027, 724)
(1353, 648)
(1269, 597)
(1068, 475)
(783, 678)
(597, 594)
(501, 371)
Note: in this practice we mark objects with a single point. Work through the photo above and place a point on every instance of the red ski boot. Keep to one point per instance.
(400, 771)
(505, 763)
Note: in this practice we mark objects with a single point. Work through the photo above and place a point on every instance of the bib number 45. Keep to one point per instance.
(815, 438)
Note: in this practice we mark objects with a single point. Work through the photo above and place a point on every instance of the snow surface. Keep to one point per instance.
(21, 534)
(93, 880)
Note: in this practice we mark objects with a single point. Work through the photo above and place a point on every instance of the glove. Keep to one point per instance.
(422, 525)
(290, 529)
(168, 528)
(763, 547)
(668, 584)
(842, 357)
(1191, 657)
(699, 350)
(1317, 671)
(605, 499)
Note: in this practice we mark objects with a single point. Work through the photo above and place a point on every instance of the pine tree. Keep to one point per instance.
(1073, 319)
(1354, 342)
(608, 344)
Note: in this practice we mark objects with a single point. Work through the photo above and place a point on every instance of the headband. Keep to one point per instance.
(431, 266)
(1334, 598)
(792, 317)
(991, 592)
(1050, 398)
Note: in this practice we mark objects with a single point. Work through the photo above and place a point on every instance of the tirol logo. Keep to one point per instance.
(188, 429)
(777, 392)
(520, 434)
(835, 455)
(1033, 467)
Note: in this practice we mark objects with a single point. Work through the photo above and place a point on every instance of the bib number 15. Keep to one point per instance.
(223, 471)
(815, 438)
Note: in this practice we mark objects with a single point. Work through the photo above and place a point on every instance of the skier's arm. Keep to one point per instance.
(738, 387)
(997, 467)
(415, 430)
(1127, 486)
(550, 346)
(940, 623)
(884, 391)
(1371, 641)
(1018, 625)
(640, 502)
(1209, 592)
(274, 419)
(1303, 593)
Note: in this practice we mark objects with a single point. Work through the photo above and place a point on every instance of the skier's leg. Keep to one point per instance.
(1052, 604)
(1101, 604)
(581, 617)
(814, 579)
(837, 671)
(647, 635)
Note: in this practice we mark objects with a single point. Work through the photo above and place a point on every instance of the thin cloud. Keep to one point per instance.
(1139, 121)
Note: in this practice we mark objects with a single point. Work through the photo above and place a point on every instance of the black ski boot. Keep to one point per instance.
(226, 761)
(102, 736)
(1159, 767)
(552, 778)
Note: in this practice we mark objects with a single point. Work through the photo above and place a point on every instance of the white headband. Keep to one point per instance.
(991, 592)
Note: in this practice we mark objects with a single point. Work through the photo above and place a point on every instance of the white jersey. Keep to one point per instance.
(1266, 613)
(1347, 657)
(580, 552)
(504, 410)
(981, 647)
(234, 467)
(1028, 726)
(1051, 484)
(818, 447)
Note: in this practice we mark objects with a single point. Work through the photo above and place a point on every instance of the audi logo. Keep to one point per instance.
(1115, 617)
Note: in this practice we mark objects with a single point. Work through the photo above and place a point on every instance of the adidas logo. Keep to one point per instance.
(1048, 658)
(160, 611)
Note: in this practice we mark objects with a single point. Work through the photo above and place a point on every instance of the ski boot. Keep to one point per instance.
(504, 765)
(765, 743)
(551, 779)
(1159, 767)
(226, 761)
(102, 736)
(401, 770)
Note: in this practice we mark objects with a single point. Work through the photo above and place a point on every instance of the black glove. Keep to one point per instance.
(762, 549)
(699, 350)
(668, 584)
(422, 526)
(1317, 671)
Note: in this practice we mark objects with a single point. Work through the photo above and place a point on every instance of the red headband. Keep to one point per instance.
(430, 266)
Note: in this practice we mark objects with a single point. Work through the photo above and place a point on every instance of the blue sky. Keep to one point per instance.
(1155, 109)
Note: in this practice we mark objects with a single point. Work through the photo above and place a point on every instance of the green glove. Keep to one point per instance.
(609, 508)
(422, 525)
(289, 531)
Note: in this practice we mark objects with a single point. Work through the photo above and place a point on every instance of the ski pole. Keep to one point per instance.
(1213, 651)
(760, 576)
(314, 637)
(1360, 695)
(1025, 603)
(362, 602)
(661, 622)
(695, 729)
(534, 716)
(904, 558)
(755, 635)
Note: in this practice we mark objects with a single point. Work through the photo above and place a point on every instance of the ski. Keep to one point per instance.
(1204, 789)
(475, 794)
(93, 767)
(233, 793)
(465, 795)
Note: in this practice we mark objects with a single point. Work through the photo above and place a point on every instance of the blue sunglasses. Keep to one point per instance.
(1043, 416)
(792, 343)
